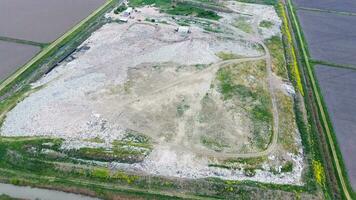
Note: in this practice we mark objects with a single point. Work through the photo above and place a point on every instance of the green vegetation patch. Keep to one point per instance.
(248, 165)
(243, 24)
(212, 29)
(100, 173)
(180, 8)
(252, 96)
(133, 148)
(188, 9)
(182, 107)
(287, 125)
(267, 2)
(275, 46)
(266, 24)
(287, 167)
(157, 3)
(6, 197)
(213, 143)
(120, 9)
(227, 55)
(106, 183)
(25, 154)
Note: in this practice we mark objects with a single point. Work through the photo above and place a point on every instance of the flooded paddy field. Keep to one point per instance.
(13, 56)
(330, 37)
(335, 5)
(338, 87)
(25, 192)
(42, 20)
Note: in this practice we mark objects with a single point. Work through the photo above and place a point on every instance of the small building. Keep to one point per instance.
(128, 11)
(123, 19)
(183, 29)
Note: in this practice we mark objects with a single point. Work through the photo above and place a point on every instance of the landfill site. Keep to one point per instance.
(186, 97)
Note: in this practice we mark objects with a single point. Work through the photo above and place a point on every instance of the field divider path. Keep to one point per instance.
(47, 50)
(320, 105)
(327, 11)
(21, 41)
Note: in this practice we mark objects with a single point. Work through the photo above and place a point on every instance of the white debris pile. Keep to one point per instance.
(259, 13)
(165, 161)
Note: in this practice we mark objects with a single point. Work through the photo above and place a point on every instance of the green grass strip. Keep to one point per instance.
(20, 41)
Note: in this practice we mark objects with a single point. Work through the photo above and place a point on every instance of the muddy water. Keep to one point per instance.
(42, 20)
(23, 192)
(13, 56)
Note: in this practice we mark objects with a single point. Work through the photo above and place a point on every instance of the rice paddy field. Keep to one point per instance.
(331, 37)
(28, 25)
(42, 20)
(329, 30)
(338, 87)
(335, 5)
(13, 55)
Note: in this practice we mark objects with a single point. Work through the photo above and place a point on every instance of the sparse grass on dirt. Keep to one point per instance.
(181, 108)
(254, 99)
(291, 52)
(249, 165)
(134, 147)
(266, 24)
(95, 140)
(275, 45)
(213, 143)
(212, 29)
(287, 125)
(227, 55)
(243, 24)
